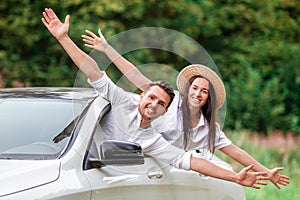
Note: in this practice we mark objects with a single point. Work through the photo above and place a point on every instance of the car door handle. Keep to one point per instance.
(155, 174)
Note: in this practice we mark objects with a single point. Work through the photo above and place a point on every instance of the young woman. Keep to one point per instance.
(191, 117)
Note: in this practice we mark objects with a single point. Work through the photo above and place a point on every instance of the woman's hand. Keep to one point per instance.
(278, 179)
(95, 42)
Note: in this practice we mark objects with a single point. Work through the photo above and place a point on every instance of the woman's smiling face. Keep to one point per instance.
(198, 93)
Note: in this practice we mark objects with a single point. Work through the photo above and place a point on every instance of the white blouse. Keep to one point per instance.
(170, 125)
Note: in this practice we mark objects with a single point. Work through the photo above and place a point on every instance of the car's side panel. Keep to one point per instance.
(21, 175)
(70, 184)
(155, 180)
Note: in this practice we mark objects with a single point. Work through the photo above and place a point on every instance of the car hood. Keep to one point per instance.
(19, 175)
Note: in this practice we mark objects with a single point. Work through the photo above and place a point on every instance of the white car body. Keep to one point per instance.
(70, 174)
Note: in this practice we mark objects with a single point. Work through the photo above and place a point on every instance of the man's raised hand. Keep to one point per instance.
(54, 25)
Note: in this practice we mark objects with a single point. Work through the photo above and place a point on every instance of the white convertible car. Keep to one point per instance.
(52, 147)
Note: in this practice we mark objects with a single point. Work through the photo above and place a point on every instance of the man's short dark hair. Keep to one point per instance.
(165, 86)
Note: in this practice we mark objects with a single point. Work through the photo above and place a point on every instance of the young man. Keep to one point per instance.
(134, 118)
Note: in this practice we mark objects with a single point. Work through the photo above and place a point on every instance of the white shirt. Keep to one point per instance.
(171, 127)
(123, 123)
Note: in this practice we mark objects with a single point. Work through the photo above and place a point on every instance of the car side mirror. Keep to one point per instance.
(114, 152)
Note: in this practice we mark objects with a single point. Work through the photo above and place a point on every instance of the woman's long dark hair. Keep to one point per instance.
(208, 110)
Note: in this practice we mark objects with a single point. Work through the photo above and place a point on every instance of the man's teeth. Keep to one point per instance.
(150, 110)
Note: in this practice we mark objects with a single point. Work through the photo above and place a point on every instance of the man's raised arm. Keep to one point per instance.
(60, 31)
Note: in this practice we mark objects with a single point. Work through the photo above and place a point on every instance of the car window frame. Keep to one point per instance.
(92, 147)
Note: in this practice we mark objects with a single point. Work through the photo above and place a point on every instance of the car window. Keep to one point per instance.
(28, 127)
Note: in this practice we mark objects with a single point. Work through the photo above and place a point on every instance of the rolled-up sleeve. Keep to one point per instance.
(108, 90)
(164, 151)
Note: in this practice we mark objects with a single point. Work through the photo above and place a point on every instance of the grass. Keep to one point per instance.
(270, 155)
(270, 192)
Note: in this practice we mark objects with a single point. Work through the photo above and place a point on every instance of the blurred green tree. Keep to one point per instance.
(255, 45)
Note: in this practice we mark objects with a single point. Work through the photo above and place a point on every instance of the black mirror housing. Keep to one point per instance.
(114, 152)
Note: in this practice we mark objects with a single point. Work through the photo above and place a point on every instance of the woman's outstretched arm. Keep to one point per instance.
(245, 159)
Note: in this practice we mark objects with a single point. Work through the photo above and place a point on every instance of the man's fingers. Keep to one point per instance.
(67, 19)
(258, 183)
(51, 14)
(249, 167)
(263, 178)
(46, 17)
(255, 187)
(262, 175)
(261, 183)
(44, 22)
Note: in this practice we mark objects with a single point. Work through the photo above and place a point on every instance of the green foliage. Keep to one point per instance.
(269, 156)
(261, 104)
(255, 45)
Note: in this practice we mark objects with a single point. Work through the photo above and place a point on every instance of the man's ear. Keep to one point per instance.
(141, 95)
(165, 111)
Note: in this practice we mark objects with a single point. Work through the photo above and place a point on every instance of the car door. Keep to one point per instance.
(152, 180)
(125, 181)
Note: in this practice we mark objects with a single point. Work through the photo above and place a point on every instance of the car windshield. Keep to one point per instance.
(28, 126)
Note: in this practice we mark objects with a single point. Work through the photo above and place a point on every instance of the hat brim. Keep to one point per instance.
(196, 69)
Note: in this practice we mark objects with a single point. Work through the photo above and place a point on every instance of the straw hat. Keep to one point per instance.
(196, 69)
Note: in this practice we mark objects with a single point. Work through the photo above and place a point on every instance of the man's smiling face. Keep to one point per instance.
(153, 103)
